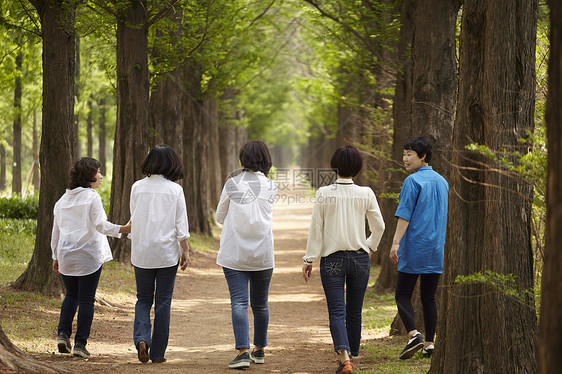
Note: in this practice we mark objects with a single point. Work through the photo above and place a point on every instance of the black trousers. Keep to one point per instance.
(428, 286)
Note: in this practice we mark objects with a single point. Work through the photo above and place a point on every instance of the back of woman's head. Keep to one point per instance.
(255, 156)
(83, 172)
(163, 160)
(346, 161)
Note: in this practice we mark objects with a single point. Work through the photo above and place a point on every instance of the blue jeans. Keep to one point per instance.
(164, 280)
(80, 294)
(345, 269)
(259, 289)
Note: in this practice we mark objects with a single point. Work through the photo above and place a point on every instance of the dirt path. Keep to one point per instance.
(201, 337)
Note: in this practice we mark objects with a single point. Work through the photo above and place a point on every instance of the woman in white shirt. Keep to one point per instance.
(337, 237)
(246, 248)
(79, 249)
(159, 243)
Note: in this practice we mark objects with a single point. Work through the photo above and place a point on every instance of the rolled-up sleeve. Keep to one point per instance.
(55, 235)
(182, 225)
(316, 231)
(99, 219)
(224, 203)
(376, 222)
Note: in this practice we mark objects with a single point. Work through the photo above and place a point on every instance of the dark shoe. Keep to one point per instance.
(142, 349)
(427, 352)
(242, 361)
(412, 347)
(345, 367)
(64, 343)
(160, 361)
(258, 356)
(80, 351)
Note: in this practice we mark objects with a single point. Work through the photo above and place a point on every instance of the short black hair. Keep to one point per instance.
(163, 160)
(255, 156)
(346, 161)
(83, 172)
(422, 146)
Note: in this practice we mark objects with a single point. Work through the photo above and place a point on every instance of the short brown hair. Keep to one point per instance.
(163, 160)
(346, 161)
(83, 172)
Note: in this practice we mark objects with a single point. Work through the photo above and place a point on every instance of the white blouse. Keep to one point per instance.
(245, 211)
(80, 226)
(158, 222)
(338, 220)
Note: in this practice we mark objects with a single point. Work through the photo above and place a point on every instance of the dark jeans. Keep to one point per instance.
(80, 294)
(428, 286)
(349, 270)
(154, 285)
(237, 281)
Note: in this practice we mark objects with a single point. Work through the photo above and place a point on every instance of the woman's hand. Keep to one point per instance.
(126, 229)
(394, 253)
(56, 266)
(306, 272)
(185, 248)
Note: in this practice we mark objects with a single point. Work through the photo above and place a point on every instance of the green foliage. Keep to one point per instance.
(13, 226)
(17, 207)
(17, 240)
(504, 283)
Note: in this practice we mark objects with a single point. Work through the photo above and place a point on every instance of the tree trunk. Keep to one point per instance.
(195, 144)
(77, 89)
(12, 358)
(57, 146)
(549, 358)
(131, 132)
(90, 140)
(402, 119)
(16, 146)
(2, 167)
(102, 136)
(166, 121)
(213, 155)
(35, 151)
(484, 329)
(227, 135)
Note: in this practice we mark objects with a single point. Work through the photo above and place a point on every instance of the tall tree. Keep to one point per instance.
(550, 347)
(131, 132)
(57, 135)
(16, 146)
(35, 152)
(2, 167)
(490, 210)
(102, 136)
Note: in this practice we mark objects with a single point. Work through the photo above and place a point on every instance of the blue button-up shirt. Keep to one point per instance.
(423, 203)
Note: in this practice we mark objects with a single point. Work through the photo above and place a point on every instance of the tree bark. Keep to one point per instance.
(89, 138)
(549, 358)
(485, 330)
(35, 151)
(14, 359)
(77, 89)
(213, 155)
(16, 146)
(227, 135)
(131, 132)
(2, 167)
(402, 119)
(102, 137)
(166, 121)
(57, 146)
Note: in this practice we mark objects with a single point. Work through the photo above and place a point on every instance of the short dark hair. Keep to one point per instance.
(422, 146)
(83, 172)
(163, 160)
(347, 161)
(255, 156)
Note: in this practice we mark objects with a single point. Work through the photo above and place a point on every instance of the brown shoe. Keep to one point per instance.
(143, 351)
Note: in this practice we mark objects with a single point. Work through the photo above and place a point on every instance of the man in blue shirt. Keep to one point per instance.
(419, 242)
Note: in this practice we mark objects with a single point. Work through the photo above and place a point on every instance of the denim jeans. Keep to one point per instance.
(350, 270)
(80, 294)
(259, 289)
(163, 279)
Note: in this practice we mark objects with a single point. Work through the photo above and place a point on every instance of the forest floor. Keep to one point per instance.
(201, 337)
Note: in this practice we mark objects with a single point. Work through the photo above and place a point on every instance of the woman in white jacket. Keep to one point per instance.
(246, 248)
(79, 247)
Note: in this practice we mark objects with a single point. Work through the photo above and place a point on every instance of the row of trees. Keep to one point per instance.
(378, 72)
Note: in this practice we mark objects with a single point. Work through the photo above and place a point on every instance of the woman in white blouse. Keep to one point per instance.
(79, 249)
(159, 243)
(246, 248)
(337, 237)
